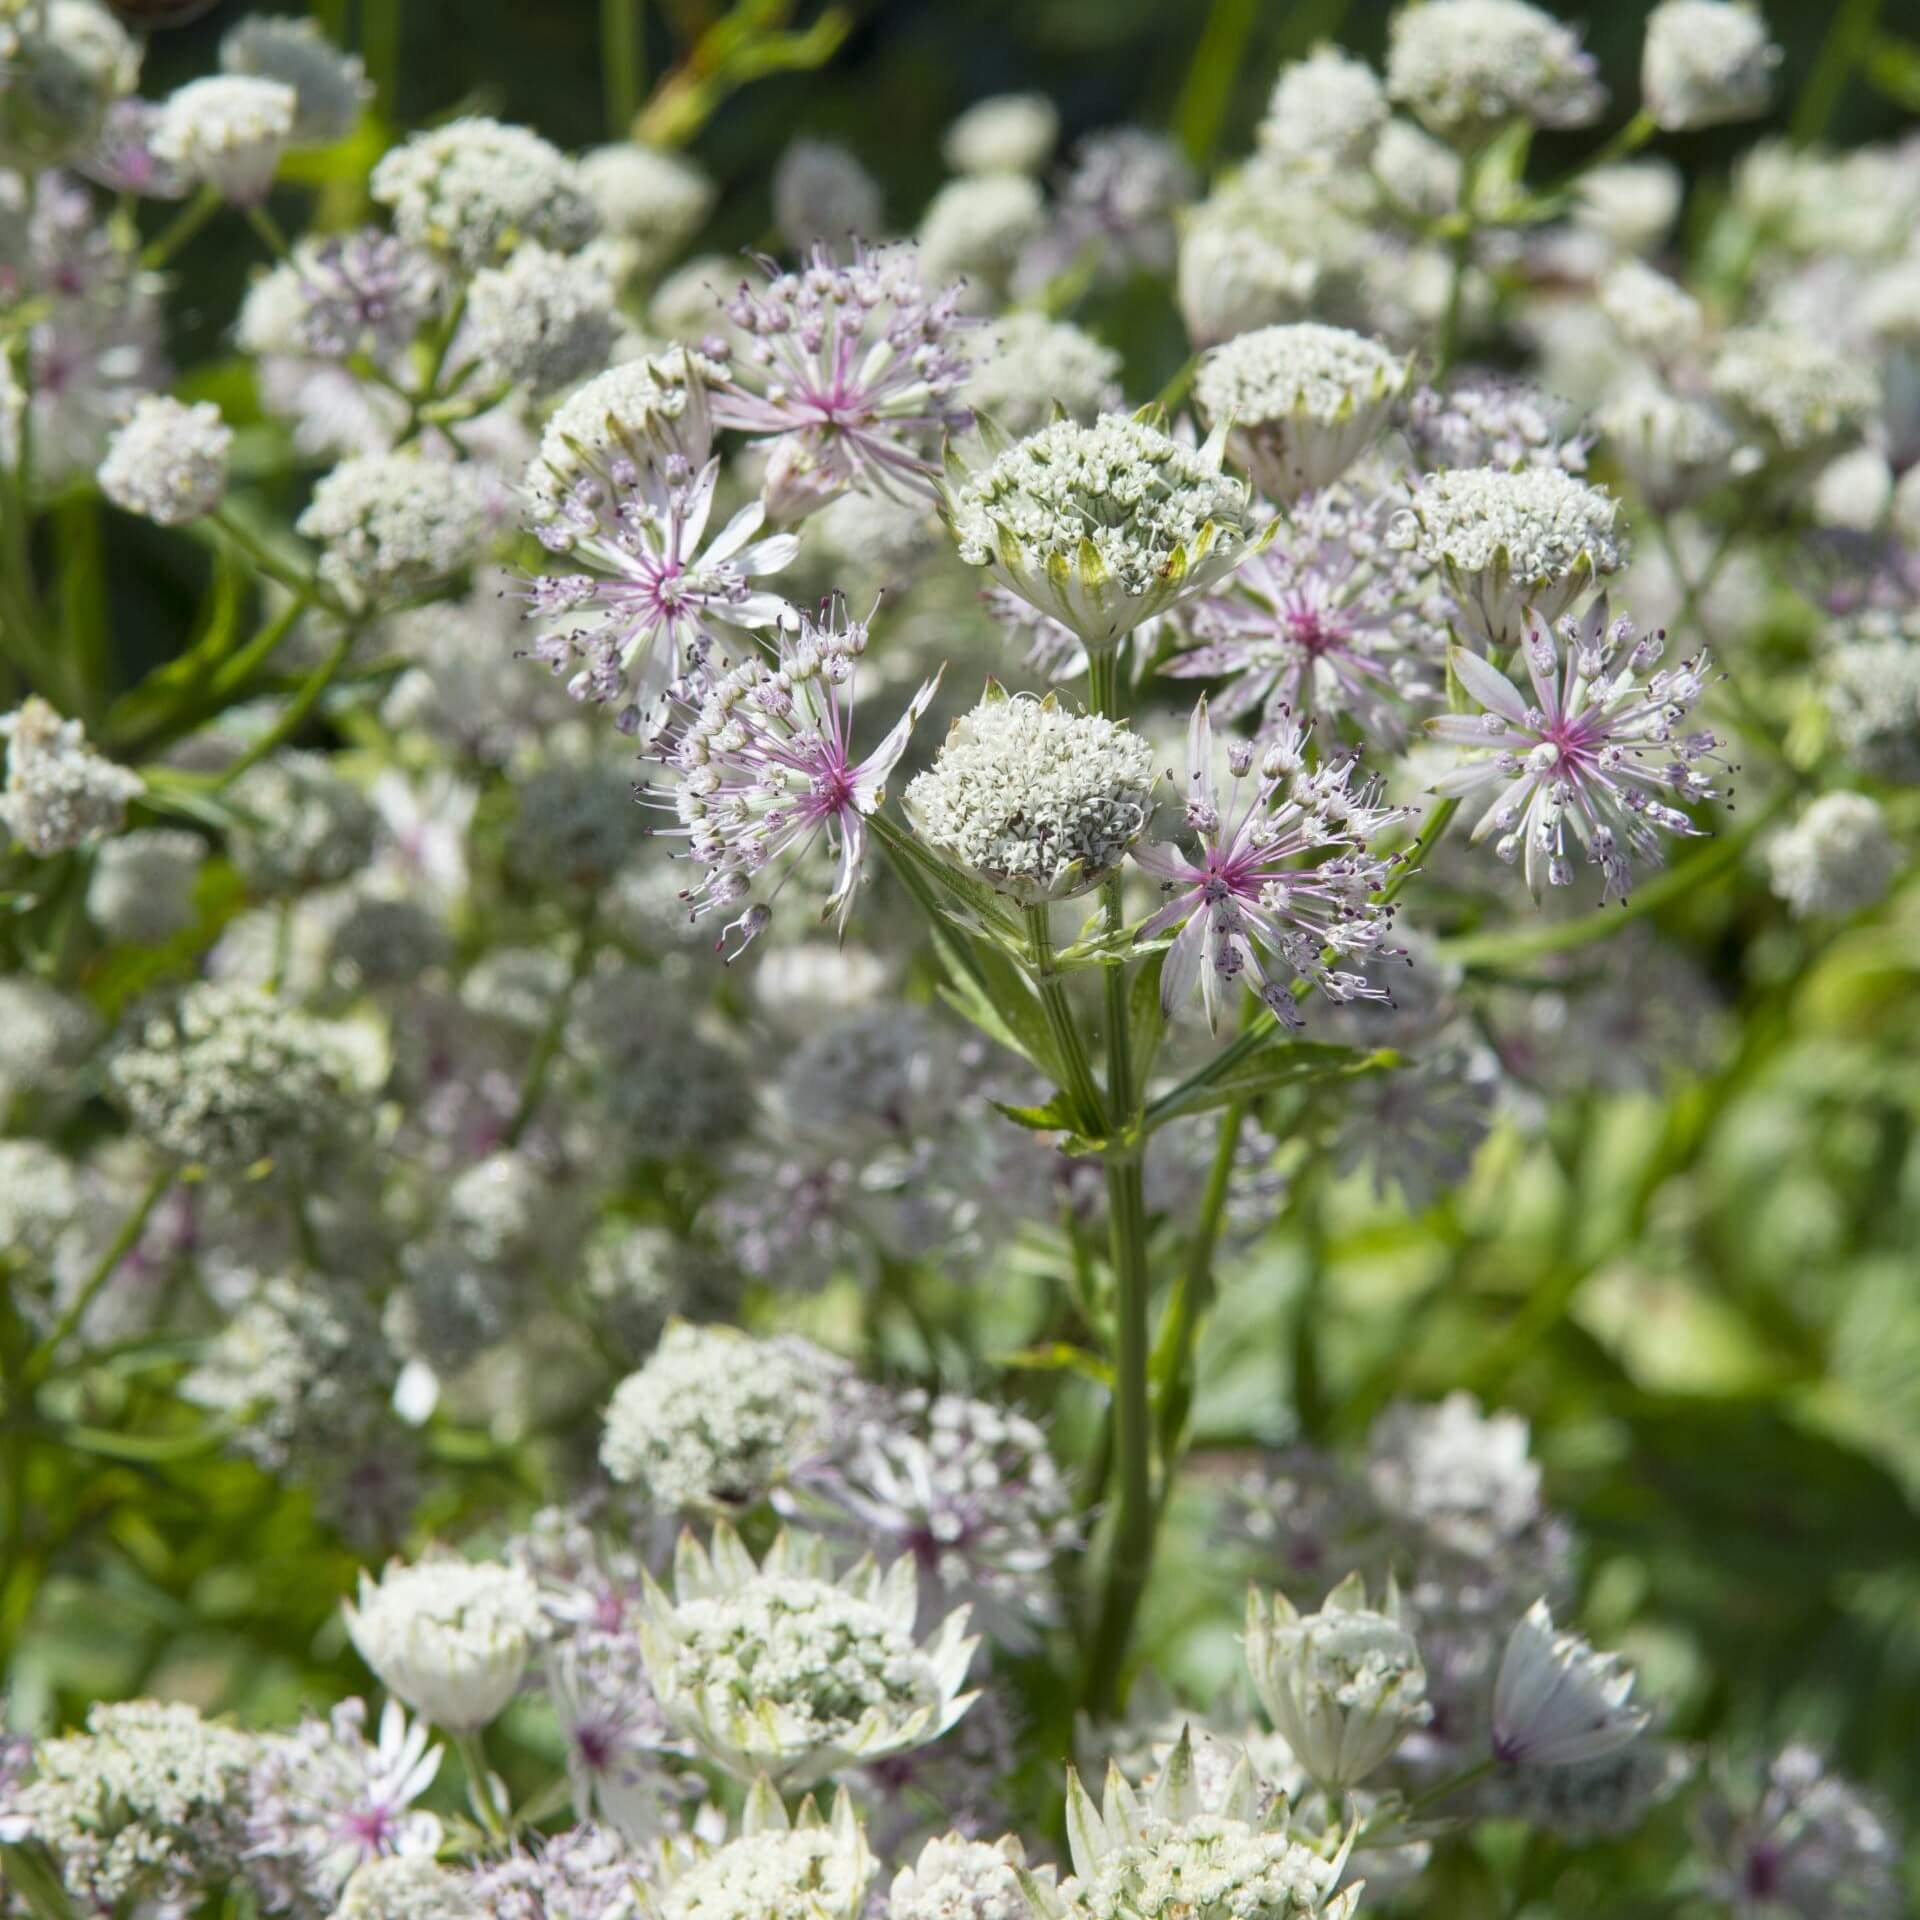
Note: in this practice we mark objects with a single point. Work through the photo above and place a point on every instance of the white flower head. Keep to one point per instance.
(1837, 857)
(1556, 1701)
(1706, 62)
(227, 131)
(60, 794)
(403, 1886)
(644, 413)
(1025, 365)
(1512, 544)
(1800, 394)
(1343, 1686)
(821, 193)
(652, 200)
(330, 86)
(169, 462)
(1101, 527)
(1326, 111)
(67, 62)
(451, 1637)
(1460, 1476)
(774, 1868)
(1169, 1854)
(393, 525)
(1038, 801)
(978, 226)
(959, 1879)
(1005, 133)
(1673, 446)
(1467, 67)
(474, 189)
(1302, 402)
(716, 1419)
(543, 319)
(777, 1669)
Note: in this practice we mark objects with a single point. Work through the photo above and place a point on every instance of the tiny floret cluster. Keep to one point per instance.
(393, 524)
(169, 462)
(1464, 67)
(1837, 857)
(330, 87)
(228, 132)
(544, 318)
(60, 794)
(1705, 62)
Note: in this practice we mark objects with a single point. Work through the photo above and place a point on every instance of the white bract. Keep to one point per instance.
(1556, 1701)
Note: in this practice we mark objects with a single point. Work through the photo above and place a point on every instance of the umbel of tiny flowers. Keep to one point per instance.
(1301, 403)
(1170, 1855)
(1101, 527)
(227, 131)
(763, 768)
(1282, 874)
(60, 794)
(1556, 1702)
(774, 1868)
(1705, 62)
(1039, 802)
(624, 485)
(1467, 67)
(169, 462)
(778, 1669)
(451, 1637)
(1343, 1686)
(1512, 545)
(849, 371)
(1592, 750)
(955, 1878)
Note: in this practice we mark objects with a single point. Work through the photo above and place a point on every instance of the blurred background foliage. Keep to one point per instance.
(1708, 1302)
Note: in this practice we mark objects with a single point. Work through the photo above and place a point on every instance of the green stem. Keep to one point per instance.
(130, 1231)
(184, 225)
(547, 1047)
(268, 228)
(312, 690)
(623, 64)
(1840, 53)
(473, 1756)
(270, 563)
(1081, 1087)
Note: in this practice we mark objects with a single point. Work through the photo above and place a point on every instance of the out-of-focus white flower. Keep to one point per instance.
(1674, 446)
(1631, 206)
(227, 131)
(330, 86)
(1025, 365)
(1705, 62)
(451, 1637)
(1872, 676)
(405, 1886)
(543, 319)
(1556, 1701)
(1458, 1475)
(1654, 315)
(1343, 1686)
(1855, 492)
(1102, 527)
(777, 1669)
(169, 462)
(1802, 395)
(774, 1868)
(1302, 402)
(823, 196)
(393, 524)
(60, 794)
(976, 227)
(67, 62)
(960, 1879)
(1466, 67)
(653, 200)
(1837, 857)
(1005, 133)
(1325, 111)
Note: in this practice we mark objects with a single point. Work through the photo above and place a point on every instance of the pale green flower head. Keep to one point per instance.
(776, 1668)
(1101, 527)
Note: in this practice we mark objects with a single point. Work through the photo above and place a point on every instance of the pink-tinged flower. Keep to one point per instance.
(1260, 890)
(655, 601)
(1592, 750)
(850, 371)
(1328, 620)
(763, 768)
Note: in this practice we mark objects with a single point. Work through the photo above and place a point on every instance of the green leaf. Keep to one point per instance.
(1893, 66)
(1145, 1022)
(1280, 1063)
(1056, 1116)
(1061, 1356)
(140, 714)
(141, 1449)
(987, 989)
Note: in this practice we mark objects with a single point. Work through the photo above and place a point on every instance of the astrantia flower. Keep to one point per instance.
(777, 1669)
(1705, 62)
(1465, 67)
(971, 1491)
(1459, 1476)
(1481, 422)
(169, 462)
(323, 1799)
(1512, 543)
(624, 484)
(1343, 1686)
(1331, 619)
(612, 1726)
(975, 227)
(822, 196)
(147, 1806)
(651, 201)
(1801, 394)
(960, 1879)
(1168, 1855)
(228, 131)
(850, 371)
(1005, 133)
(474, 189)
(717, 1419)
(330, 86)
(1102, 527)
(1592, 748)
(1837, 857)
(581, 1873)
(544, 319)
(1025, 365)
(775, 1868)
(1325, 111)
(1872, 684)
(341, 294)
(1556, 1701)
(1117, 204)
(450, 1637)
(1418, 1127)
(1039, 802)
(67, 62)
(1673, 446)
(407, 1886)
(1282, 872)
(1302, 402)
(392, 525)
(763, 768)
(60, 794)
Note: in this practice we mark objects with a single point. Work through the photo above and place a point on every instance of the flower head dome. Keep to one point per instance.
(777, 1669)
(1102, 527)
(1466, 67)
(774, 1868)
(1705, 62)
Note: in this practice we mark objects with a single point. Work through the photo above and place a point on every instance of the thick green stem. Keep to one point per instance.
(1847, 41)
(494, 1817)
(1081, 1087)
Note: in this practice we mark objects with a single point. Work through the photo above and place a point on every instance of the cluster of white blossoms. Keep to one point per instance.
(1707, 61)
(650, 201)
(959, 1879)
(1101, 527)
(1804, 394)
(228, 132)
(543, 319)
(60, 794)
(1038, 801)
(1026, 365)
(716, 1419)
(169, 462)
(1837, 857)
(774, 1868)
(1327, 110)
(1463, 67)
(776, 1668)
(330, 86)
(1513, 545)
(1302, 402)
(391, 525)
